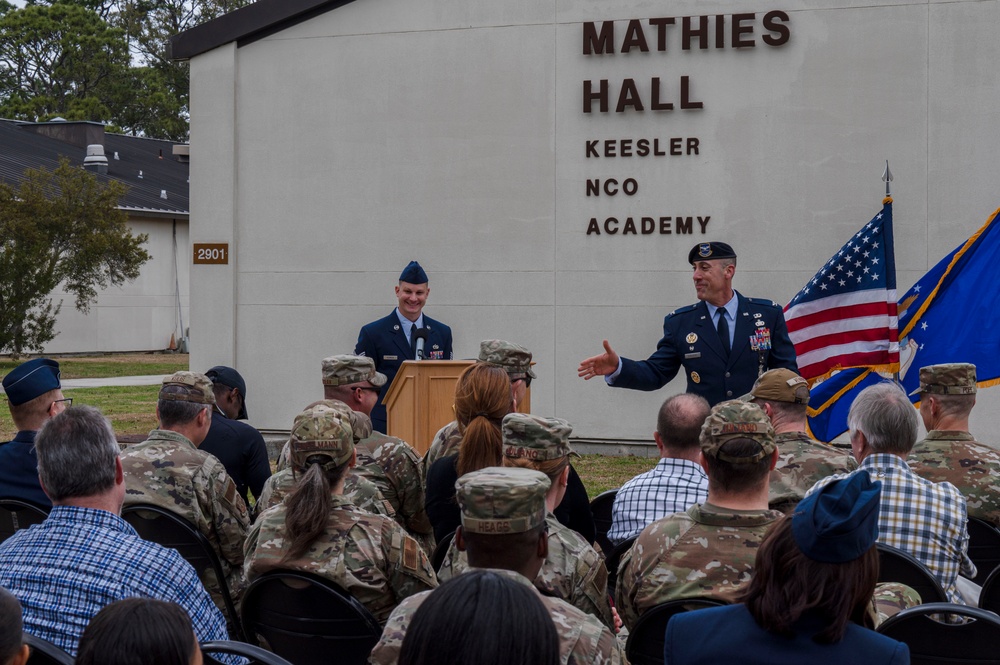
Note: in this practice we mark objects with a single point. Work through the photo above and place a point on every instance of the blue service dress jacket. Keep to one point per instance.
(19, 471)
(691, 340)
(385, 342)
(693, 638)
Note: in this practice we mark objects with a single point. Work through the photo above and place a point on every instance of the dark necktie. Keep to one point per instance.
(723, 329)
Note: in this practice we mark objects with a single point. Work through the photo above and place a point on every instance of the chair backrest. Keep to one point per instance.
(308, 619)
(17, 514)
(897, 566)
(989, 597)
(984, 548)
(614, 559)
(44, 652)
(601, 508)
(646, 639)
(970, 642)
(441, 551)
(160, 526)
(254, 655)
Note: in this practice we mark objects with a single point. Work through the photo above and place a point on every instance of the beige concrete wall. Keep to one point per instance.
(335, 151)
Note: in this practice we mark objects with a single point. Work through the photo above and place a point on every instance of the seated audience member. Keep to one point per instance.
(925, 519)
(784, 396)
(708, 550)
(949, 452)
(139, 631)
(33, 396)
(482, 618)
(573, 570)
(239, 447)
(482, 398)
(677, 482)
(809, 596)
(504, 528)
(318, 530)
(84, 556)
(13, 651)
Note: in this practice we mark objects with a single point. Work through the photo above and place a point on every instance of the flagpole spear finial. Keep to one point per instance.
(887, 176)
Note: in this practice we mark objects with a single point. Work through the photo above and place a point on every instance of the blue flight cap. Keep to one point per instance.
(708, 251)
(413, 274)
(839, 522)
(31, 379)
(228, 376)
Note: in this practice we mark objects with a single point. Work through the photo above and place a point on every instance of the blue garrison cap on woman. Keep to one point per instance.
(838, 522)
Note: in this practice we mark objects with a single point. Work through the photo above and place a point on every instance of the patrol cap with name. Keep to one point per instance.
(346, 369)
(535, 438)
(227, 376)
(780, 385)
(320, 430)
(413, 274)
(707, 251)
(513, 358)
(361, 424)
(838, 522)
(948, 379)
(30, 380)
(197, 388)
(498, 500)
(736, 419)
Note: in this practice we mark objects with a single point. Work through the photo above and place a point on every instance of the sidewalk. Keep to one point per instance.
(148, 380)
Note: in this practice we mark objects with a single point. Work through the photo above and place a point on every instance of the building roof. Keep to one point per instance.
(146, 166)
(253, 22)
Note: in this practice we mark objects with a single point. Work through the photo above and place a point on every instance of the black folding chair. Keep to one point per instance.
(989, 597)
(44, 652)
(646, 640)
(254, 655)
(946, 633)
(17, 514)
(441, 551)
(308, 619)
(614, 559)
(897, 566)
(601, 508)
(984, 548)
(160, 526)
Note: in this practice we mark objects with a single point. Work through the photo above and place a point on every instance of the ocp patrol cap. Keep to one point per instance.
(195, 388)
(30, 380)
(345, 370)
(513, 358)
(780, 385)
(497, 500)
(320, 430)
(361, 424)
(736, 419)
(708, 251)
(948, 379)
(535, 438)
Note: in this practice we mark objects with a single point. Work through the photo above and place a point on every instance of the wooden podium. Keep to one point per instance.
(421, 400)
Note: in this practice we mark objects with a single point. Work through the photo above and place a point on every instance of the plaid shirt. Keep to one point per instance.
(67, 568)
(672, 486)
(924, 519)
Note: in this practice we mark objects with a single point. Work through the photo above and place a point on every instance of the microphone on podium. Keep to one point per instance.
(419, 335)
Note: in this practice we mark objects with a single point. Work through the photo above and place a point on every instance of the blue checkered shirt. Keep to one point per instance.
(924, 519)
(672, 486)
(67, 568)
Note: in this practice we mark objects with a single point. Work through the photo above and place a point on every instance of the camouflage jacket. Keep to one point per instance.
(801, 462)
(706, 551)
(445, 443)
(957, 458)
(369, 555)
(582, 638)
(167, 470)
(573, 571)
(394, 467)
(362, 492)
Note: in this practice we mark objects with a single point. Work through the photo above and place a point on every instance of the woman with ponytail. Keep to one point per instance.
(318, 530)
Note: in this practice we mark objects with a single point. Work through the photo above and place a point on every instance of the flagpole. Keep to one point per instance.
(887, 177)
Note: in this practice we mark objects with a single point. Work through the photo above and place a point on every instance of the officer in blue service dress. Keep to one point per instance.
(34, 395)
(724, 341)
(391, 340)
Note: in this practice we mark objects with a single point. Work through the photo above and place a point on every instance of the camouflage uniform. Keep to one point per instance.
(708, 550)
(169, 471)
(369, 555)
(361, 491)
(801, 462)
(503, 501)
(957, 458)
(445, 443)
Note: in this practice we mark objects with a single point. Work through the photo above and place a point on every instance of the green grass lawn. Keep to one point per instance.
(600, 473)
(93, 367)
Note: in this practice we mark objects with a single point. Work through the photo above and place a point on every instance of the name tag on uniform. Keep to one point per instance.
(390, 357)
(692, 356)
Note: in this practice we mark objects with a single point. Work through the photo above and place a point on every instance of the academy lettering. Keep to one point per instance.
(683, 225)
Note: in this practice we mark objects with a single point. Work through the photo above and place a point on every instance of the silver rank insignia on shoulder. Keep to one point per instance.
(691, 338)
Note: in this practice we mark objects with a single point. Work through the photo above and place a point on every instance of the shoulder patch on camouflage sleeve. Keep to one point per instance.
(411, 555)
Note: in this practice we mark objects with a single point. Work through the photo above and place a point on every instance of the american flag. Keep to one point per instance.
(845, 316)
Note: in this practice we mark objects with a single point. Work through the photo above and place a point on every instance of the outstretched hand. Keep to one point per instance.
(601, 365)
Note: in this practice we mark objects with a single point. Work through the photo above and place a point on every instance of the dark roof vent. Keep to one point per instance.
(95, 160)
